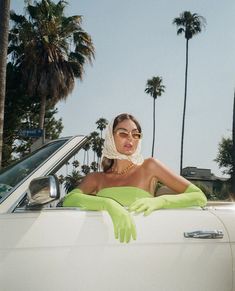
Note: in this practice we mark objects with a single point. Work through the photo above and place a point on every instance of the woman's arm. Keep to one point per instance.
(166, 176)
(124, 227)
(188, 194)
(192, 196)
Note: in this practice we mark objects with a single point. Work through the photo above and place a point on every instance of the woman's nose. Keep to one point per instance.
(130, 137)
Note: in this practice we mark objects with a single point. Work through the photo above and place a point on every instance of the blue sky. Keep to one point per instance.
(136, 40)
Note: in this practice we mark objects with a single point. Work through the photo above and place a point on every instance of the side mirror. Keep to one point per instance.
(43, 190)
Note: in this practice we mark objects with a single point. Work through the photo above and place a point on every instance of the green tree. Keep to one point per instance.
(225, 156)
(16, 104)
(189, 25)
(21, 113)
(22, 145)
(225, 160)
(51, 51)
(4, 27)
(16, 145)
(154, 88)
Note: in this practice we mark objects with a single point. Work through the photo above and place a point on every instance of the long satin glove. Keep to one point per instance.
(124, 227)
(192, 196)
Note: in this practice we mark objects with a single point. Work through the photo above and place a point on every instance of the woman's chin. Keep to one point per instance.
(127, 153)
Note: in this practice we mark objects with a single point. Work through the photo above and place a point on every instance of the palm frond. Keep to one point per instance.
(189, 24)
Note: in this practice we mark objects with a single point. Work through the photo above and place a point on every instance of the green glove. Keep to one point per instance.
(192, 196)
(124, 227)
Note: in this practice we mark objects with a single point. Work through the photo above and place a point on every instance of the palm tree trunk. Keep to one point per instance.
(4, 28)
(154, 124)
(42, 116)
(87, 157)
(184, 110)
(233, 152)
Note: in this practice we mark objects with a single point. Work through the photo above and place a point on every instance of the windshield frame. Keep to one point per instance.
(61, 141)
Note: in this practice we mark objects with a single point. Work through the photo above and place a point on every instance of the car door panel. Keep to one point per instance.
(69, 249)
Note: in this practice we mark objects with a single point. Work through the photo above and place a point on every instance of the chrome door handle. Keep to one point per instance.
(207, 234)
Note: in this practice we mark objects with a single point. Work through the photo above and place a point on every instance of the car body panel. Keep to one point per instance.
(80, 249)
(226, 214)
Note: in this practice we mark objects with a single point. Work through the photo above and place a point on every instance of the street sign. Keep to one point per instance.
(34, 132)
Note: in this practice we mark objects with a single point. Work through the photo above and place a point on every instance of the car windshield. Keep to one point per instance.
(15, 173)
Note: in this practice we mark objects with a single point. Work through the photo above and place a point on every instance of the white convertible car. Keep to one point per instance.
(47, 247)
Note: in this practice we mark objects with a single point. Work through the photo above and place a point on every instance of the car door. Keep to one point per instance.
(70, 249)
(225, 212)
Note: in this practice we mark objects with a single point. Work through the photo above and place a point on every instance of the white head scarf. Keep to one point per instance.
(110, 151)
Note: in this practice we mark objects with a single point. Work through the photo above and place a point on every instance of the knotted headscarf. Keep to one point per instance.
(110, 151)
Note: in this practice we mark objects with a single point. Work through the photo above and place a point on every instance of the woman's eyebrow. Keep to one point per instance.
(122, 128)
(134, 129)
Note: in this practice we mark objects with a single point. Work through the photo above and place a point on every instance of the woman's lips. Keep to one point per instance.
(128, 146)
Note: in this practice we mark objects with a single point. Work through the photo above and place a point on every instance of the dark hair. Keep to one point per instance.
(108, 163)
(125, 116)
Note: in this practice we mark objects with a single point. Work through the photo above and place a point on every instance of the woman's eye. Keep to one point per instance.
(123, 134)
(136, 135)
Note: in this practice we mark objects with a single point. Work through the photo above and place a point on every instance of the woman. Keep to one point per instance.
(129, 181)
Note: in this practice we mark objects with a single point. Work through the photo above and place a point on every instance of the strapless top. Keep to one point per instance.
(125, 195)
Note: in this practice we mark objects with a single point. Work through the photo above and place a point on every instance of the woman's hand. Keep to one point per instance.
(192, 196)
(146, 205)
(124, 227)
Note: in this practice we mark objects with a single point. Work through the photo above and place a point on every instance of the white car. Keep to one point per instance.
(47, 247)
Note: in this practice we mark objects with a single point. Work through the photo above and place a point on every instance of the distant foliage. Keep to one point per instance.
(92, 152)
(71, 181)
(225, 157)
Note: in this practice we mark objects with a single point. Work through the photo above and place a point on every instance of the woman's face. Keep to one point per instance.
(126, 137)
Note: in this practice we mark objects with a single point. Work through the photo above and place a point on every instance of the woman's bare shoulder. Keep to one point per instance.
(155, 167)
(165, 175)
(93, 175)
(151, 163)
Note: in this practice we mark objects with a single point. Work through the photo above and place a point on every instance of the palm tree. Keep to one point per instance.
(72, 180)
(94, 166)
(86, 148)
(97, 147)
(93, 139)
(154, 88)
(188, 24)
(51, 51)
(4, 27)
(101, 125)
